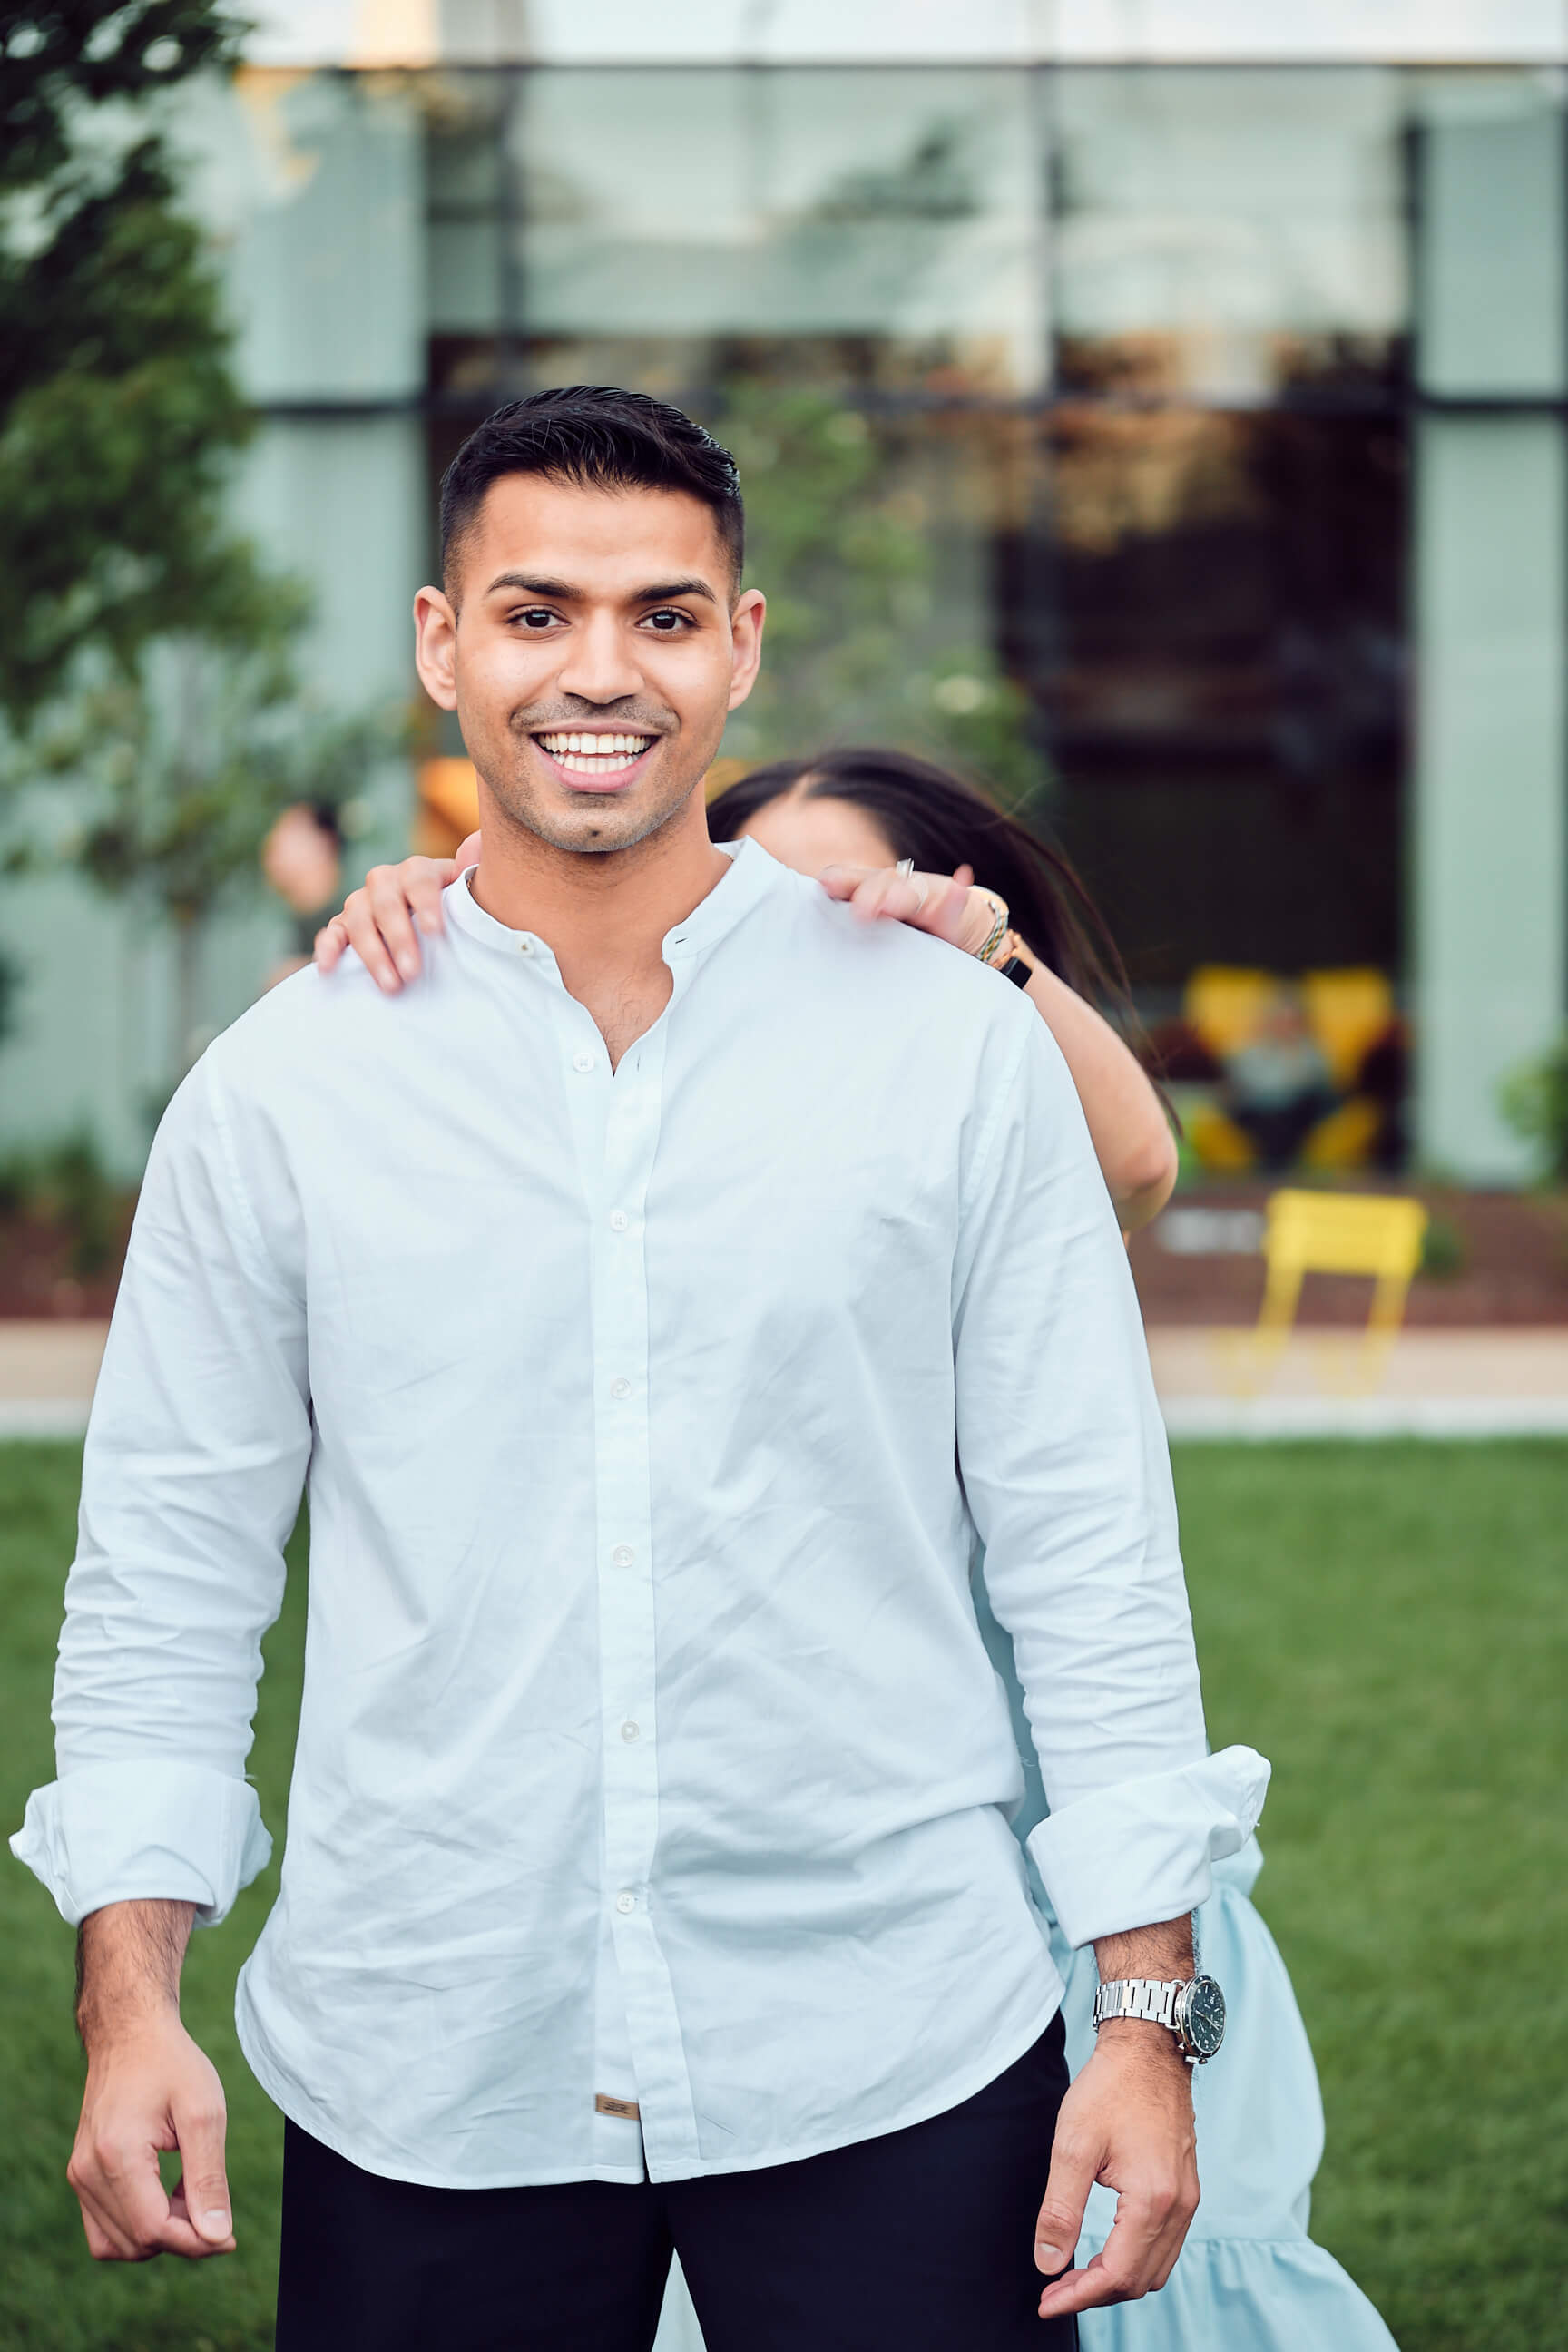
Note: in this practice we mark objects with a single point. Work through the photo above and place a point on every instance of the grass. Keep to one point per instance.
(1387, 1621)
(52, 2298)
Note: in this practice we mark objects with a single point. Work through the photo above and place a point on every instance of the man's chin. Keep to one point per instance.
(598, 826)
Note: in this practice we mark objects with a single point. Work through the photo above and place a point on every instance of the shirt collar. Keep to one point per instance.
(753, 875)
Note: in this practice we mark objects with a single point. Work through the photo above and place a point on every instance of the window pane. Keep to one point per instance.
(1214, 622)
(900, 207)
(1228, 234)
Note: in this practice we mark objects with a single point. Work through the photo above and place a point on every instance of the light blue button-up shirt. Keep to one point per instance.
(649, 1752)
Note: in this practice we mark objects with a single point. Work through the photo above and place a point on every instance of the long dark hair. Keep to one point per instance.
(941, 822)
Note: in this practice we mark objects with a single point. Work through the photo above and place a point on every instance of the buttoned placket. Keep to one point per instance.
(614, 1120)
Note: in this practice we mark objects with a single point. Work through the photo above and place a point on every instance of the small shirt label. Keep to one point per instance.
(626, 2108)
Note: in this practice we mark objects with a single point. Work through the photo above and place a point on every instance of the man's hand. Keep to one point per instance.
(148, 2088)
(1128, 2122)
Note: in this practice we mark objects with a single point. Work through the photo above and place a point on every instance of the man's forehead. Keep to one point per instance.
(598, 539)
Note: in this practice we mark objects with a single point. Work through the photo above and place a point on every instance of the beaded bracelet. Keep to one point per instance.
(999, 931)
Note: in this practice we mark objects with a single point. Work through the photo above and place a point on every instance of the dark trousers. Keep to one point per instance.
(921, 2240)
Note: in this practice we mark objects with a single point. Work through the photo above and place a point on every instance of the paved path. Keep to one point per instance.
(1212, 1382)
(1501, 1383)
(47, 1372)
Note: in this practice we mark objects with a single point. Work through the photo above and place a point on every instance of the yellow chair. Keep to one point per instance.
(1340, 1232)
(1346, 1138)
(1216, 1140)
(1348, 1012)
(1225, 1002)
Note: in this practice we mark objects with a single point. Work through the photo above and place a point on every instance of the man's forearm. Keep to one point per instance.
(129, 1957)
(1159, 1953)
(1162, 1952)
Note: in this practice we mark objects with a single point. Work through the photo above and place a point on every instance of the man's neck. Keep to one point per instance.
(604, 915)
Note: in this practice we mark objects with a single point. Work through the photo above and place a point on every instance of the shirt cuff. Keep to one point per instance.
(1142, 1851)
(144, 1832)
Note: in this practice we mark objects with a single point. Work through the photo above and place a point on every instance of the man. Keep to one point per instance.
(661, 1298)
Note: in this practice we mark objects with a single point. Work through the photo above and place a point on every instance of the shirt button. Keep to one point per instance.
(620, 1388)
(630, 1731)
(583, 1061)
(623, 1556)
(525, 947)
(618, 1221)
(625, 1903)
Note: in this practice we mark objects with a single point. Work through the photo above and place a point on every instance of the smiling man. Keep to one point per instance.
(663, 1301)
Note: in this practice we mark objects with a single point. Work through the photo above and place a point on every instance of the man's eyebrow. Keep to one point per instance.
(532, 585)
(561, 592)
(666, 591)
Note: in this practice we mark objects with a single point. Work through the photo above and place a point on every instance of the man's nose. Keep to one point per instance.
(600, 664)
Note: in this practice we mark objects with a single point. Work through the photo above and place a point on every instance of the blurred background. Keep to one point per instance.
(1157, 409)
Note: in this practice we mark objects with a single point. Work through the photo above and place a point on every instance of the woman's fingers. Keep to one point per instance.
(379, 919)
(426, 887)
(874, 890)
(390, 896)
(938, 903)
(331, 941)
(358, 927)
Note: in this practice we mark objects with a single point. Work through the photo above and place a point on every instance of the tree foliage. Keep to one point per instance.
(119, 412)
(177, 772)
(1534, 1102)
(860, 644)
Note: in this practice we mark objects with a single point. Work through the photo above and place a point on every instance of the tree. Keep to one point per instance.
(1534, 1102)
(119, 413)
(178, 770)
(858, 644)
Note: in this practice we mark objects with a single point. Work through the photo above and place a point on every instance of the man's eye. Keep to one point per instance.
(536, 616)
(668, 621)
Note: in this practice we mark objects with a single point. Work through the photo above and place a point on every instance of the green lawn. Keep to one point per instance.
(1387, 1621)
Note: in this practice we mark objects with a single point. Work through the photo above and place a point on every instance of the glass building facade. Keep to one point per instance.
(1178, 441)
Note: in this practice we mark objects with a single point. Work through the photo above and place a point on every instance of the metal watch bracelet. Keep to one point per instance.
(1190, 2008)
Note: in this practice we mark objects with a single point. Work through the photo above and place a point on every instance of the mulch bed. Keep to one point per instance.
(38, 1277)
(1509, 1252)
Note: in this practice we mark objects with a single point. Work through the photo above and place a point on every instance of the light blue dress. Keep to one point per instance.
(1249, 2278)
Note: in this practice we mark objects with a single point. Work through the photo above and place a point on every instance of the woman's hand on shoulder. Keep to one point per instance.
(382, 918)
(948, 906)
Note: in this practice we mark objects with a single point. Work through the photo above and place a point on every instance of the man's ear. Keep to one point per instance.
(746, 643)
(436, 646)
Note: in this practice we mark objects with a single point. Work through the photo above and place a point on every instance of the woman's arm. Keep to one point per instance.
(1127, 1122)
(383, 919)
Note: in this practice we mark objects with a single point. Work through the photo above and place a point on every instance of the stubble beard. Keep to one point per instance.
(600, 826)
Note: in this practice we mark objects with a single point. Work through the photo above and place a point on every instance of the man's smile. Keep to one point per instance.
(600, 759)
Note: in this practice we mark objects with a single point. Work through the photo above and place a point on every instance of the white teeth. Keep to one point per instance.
(596, 754)
(579, 766)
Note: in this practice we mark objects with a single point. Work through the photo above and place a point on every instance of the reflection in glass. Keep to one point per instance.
(894, 210)
(1232, 236)
(1070, 410)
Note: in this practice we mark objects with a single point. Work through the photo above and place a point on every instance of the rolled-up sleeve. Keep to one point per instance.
(1068, 1476)
(196, 1451)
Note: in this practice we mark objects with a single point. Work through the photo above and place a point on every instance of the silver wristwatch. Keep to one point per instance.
(1192, 2007)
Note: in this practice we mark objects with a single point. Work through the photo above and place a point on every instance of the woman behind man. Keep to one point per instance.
(902, 839)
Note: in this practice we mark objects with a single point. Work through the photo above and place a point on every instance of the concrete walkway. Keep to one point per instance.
(1212, 1382)
(1481, 1383)
(47, 1372)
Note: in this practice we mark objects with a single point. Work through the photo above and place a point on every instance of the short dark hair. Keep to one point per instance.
(599, 437)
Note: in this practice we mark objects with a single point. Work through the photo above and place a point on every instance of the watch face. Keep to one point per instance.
(1205, 2017)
